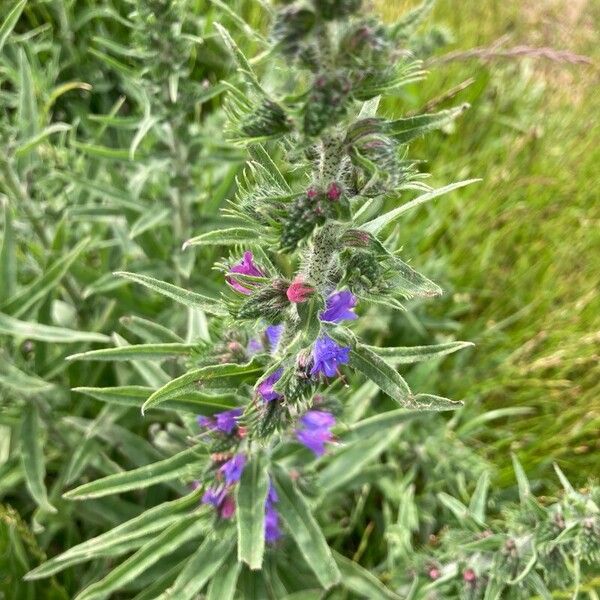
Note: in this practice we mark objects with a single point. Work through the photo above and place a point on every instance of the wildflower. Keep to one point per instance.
(226, 421)
(272, 530)
(232, 469)
(223, 421)
(265, 387)
(214, 496)
(334, 192)
(327, 356)
(254, 347)
(338, 307)
(273, 334)
(299, 291)
(245, 267)
(315, 430)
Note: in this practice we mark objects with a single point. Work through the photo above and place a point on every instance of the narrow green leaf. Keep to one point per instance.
(27, 114)
(377, 423)
(250, 511)
(8, 258)
(162, 545)
(491, 415)
(378, 371)
(460, 511)
(201, 566)
(149, 331)
(360, 581)
(29, 144)
(21, 382)
(405, 355)
(567, 486)
(432, 402)
(303, 527)
(10, 21)
(345, 464)
(180, 466)
(185, 297)
(227, 237)
(522, 481)
(32, 457)
(42, 286)
(224, 375)
(139, 351)
(478, 502)
(97, 151)
(46, 333)
(376, 225)
(136, 395)
(150, 220)
(149, 522)
(406, 129)
(222, 585)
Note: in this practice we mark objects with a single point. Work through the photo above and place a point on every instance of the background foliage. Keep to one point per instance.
(108, 167)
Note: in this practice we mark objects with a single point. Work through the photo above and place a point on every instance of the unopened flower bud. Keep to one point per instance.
(299, 291)
(334, 191)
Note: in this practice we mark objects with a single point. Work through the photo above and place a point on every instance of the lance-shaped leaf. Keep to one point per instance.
(222, 585)
(180, 466)
(200, 567)
(8, 258)
(185, 297)
(432, 402)
(229, 237)
(32, 457)
(162, 545)
(46, 333)
(304, 529)
(250, 510)
(10, 20)
(19, 381)
(151, 521)
(347, 463)
(406, 129)
(361, 581)
(405, 355)
(410, 283)
(381, 373)
(134, 352)
(136, 395)
(376, 225)
(226, 376)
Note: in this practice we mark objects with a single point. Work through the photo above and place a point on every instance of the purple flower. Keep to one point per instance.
(272, 496)
(232, 470)
(327, 356)
(315, 432)
(223, 421)
(214, 496)
(338, 307)
(273, 334)
(245, 267)
(227, 420)
(317, 419)
(265, 388)
(206, 422)
(254, 347)
(272, 531)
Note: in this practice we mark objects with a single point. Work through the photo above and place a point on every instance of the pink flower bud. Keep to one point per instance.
(434, 573)
(227, 509)
(299, 291)
(334, 191)
(311, 193)
(469, 576)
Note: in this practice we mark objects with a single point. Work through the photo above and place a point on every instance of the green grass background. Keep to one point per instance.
(521, 249)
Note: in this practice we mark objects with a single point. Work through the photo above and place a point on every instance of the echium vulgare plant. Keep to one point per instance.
(258, 426)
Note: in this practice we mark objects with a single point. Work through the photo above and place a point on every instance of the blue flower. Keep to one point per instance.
(315, 432)
(265, 388)
(273, 334)
(327, 356)
(225, 421)
(232, 470)
(214, 496)
(338, 307)
(272, 530)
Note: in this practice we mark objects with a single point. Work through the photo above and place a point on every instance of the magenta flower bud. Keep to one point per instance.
(311, 193)
(299, 291)
(334, 191)
(227, 509)
(469, 576)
